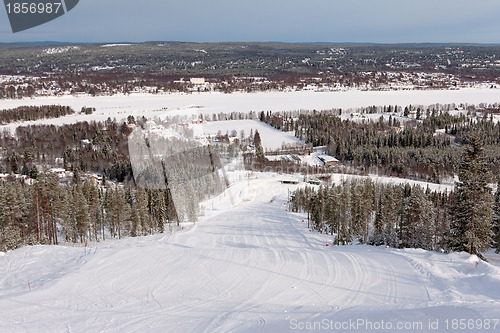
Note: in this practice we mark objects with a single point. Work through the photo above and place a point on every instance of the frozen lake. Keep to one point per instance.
(147, 105)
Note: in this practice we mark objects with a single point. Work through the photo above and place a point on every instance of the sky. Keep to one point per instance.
(357, 21)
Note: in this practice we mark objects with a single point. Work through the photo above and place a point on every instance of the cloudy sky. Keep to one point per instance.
(377, 21)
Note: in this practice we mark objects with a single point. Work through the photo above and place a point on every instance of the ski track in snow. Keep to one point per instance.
(251, 268)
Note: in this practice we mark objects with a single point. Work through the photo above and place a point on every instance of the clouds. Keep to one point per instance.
(382, 21)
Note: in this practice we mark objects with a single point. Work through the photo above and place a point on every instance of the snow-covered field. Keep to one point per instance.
(247, 266)
(150, 106)
(271, 138)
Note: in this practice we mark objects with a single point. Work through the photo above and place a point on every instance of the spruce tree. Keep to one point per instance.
(472, 213)
(368, 206)
(419, 226)
(332, 208)
(378, 224)
(386, 218)
(344, 235)
(257, 141)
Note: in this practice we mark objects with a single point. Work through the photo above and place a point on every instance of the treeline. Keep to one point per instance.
(410, 216)
(416, 151)
(100, 147)
(164, 179)
(48, 213)
(401, 216)
(30, 113)
(393, 215)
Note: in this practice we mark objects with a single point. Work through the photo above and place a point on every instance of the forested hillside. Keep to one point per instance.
(426, 146)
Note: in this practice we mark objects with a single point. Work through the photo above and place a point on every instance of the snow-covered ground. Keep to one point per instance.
(271, 138)
(150, 106)
(248, 266)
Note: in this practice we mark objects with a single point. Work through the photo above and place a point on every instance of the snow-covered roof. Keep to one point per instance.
(327, 158)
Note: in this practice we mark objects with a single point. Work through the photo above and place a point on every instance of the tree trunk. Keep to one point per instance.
(38, 220)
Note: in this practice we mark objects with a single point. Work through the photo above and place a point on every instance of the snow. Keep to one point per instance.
(445, 187)
(327, 158)
(114, 45)
(249, 265)
(270, 137)
(57, 50)
(149, 105)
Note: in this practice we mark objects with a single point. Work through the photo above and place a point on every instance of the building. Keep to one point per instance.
(61, 173)
(328, 160)
(290, 181)
(197, 80)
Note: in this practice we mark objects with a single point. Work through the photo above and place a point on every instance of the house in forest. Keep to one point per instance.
(328, 160)
(289, 181)
(197, 80)
(61, 173)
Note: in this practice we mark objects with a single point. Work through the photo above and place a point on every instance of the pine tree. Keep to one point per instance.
(46, 194)
(67, 214)
(471, 227)
(82, 215)
(13, 238)
(141, 210)
(135, 223)
(162, 211)
(118, 212)
(11, 217)
(91, 193)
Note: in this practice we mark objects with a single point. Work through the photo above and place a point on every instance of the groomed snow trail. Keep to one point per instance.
(252, 268)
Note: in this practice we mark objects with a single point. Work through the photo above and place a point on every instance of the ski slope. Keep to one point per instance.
(248, 266)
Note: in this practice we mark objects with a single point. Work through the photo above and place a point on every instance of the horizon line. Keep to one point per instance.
(254, 42)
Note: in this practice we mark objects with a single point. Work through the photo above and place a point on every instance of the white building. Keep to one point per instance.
(197, 80)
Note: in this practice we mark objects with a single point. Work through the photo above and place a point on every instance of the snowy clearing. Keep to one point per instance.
(248, 266)
(150, 106)
(271, 137)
